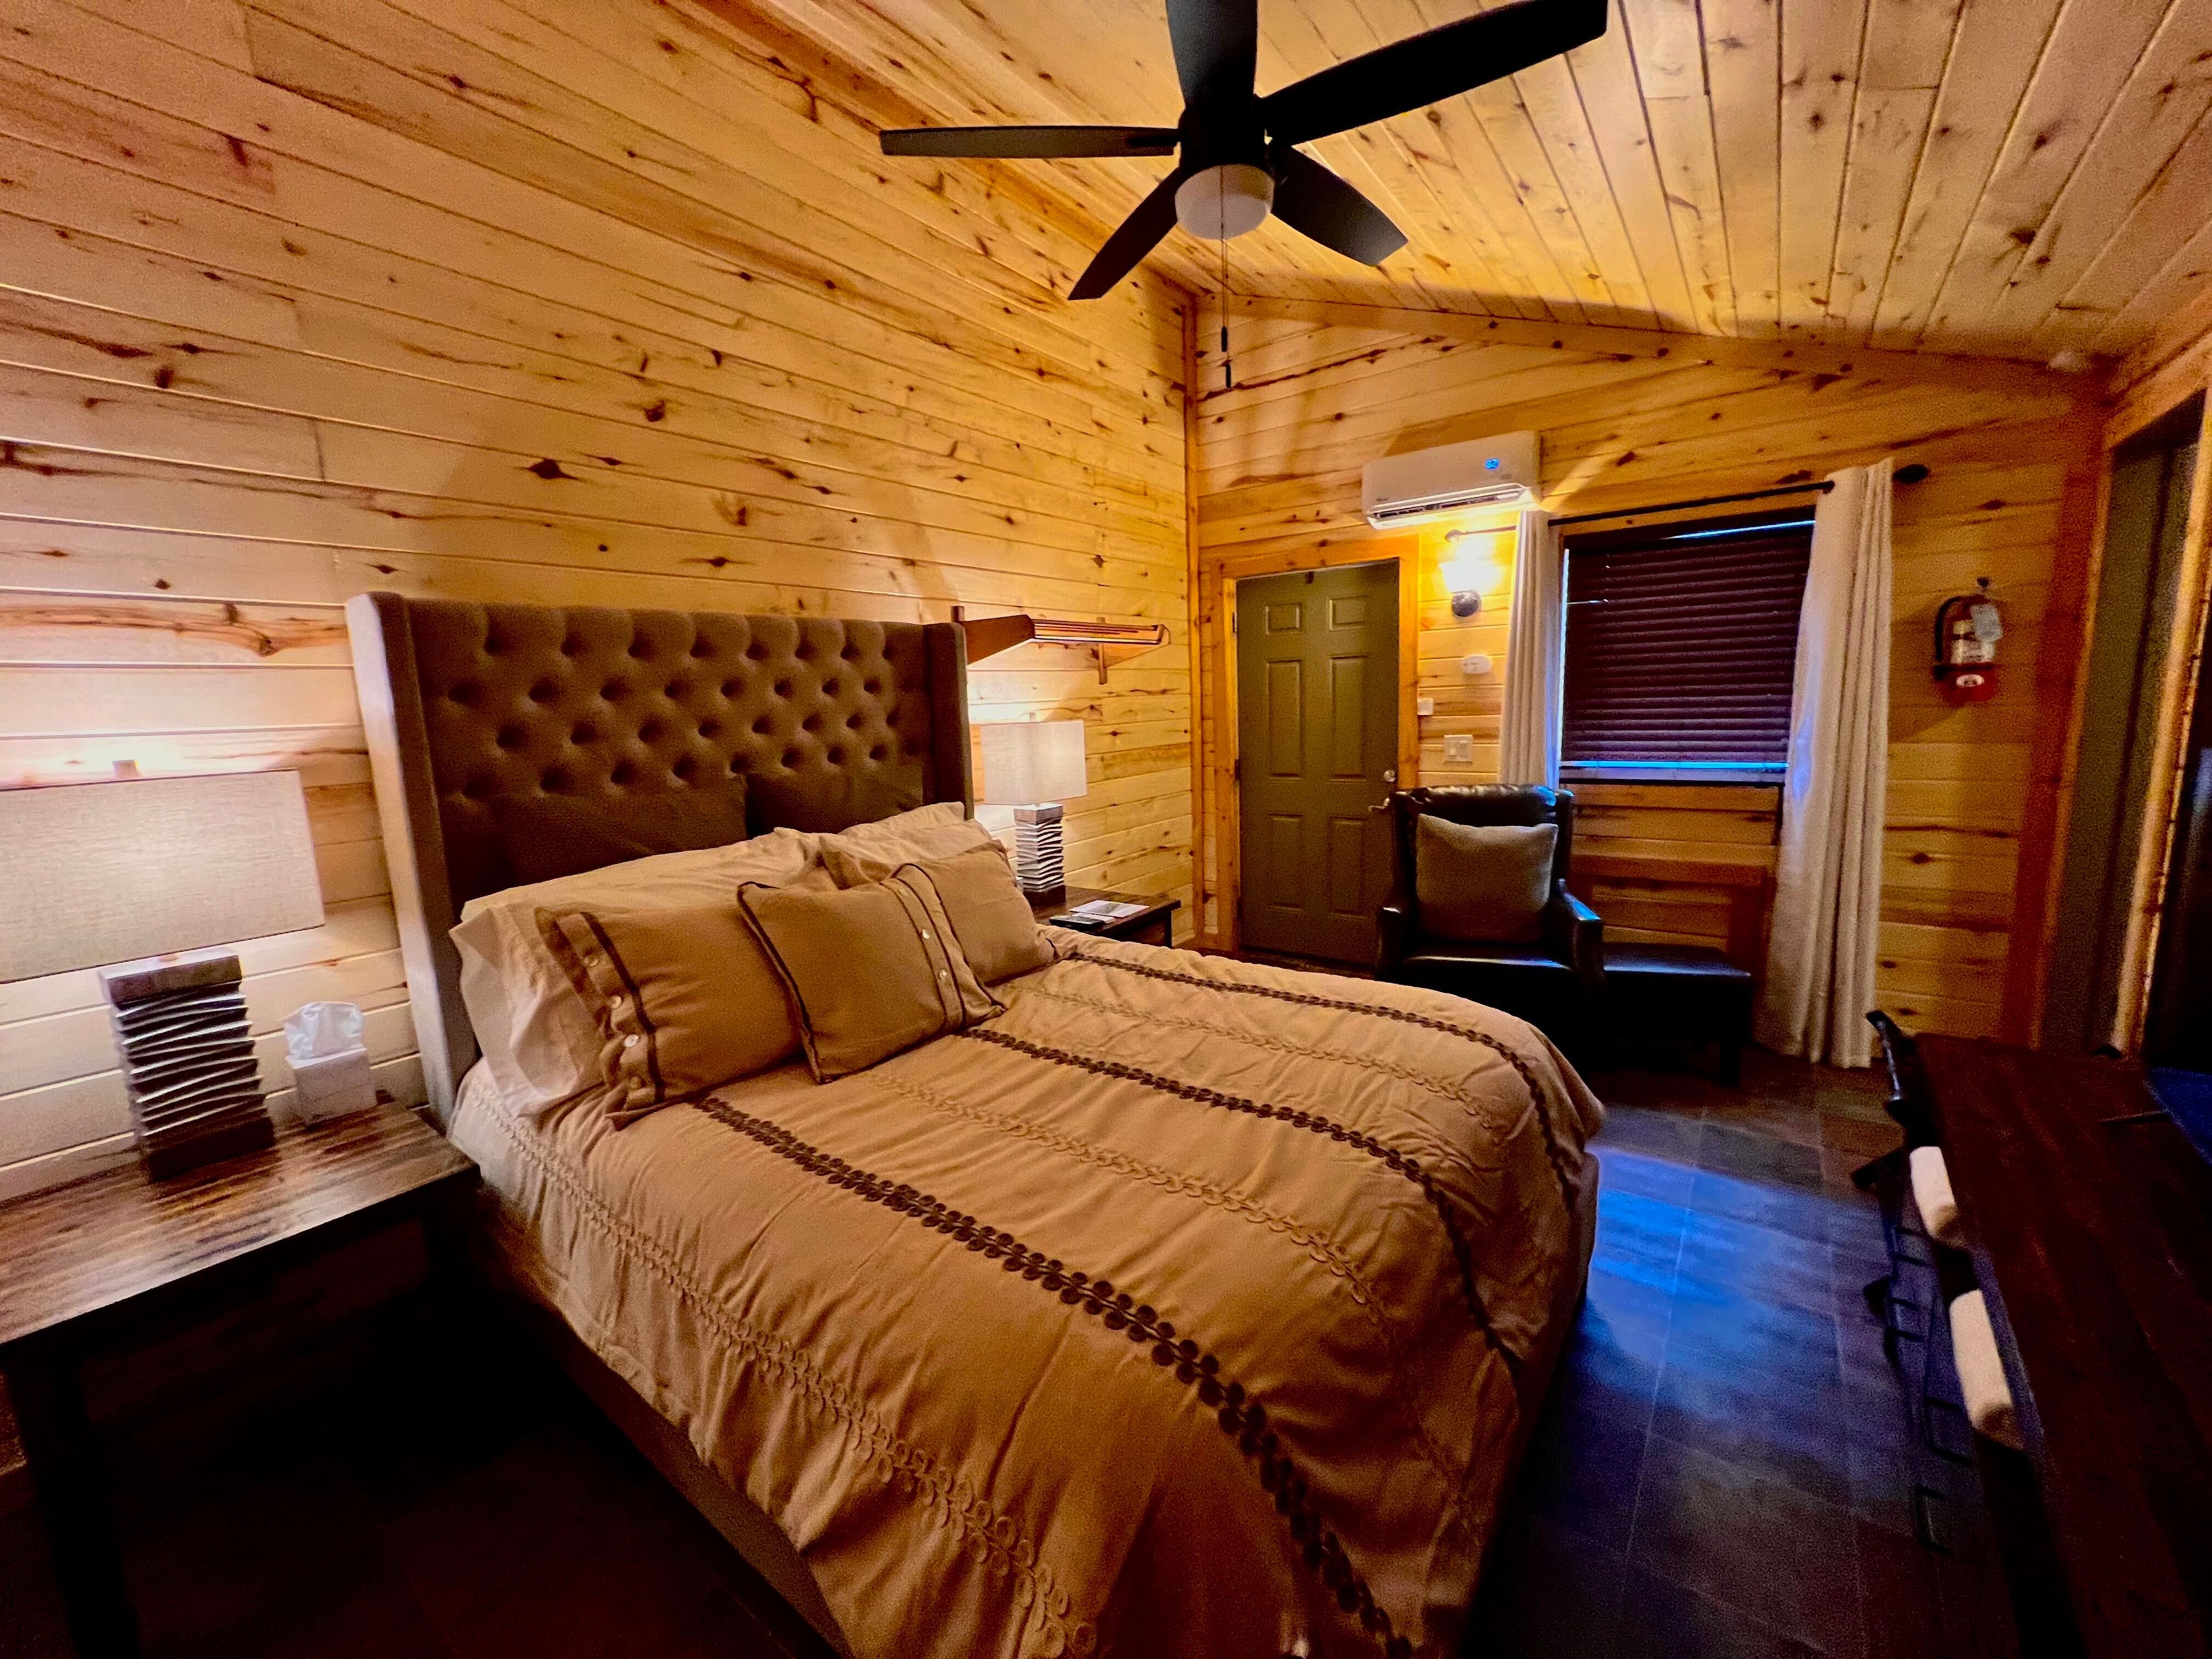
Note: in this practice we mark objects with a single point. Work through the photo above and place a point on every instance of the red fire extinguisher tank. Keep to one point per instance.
(1967, 629)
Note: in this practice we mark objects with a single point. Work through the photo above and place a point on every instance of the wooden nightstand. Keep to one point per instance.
(1157, 915)
(84, 1266)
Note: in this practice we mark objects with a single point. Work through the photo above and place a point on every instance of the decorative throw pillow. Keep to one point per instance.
(829, 798)
(548, 836)
(683, 999)
(871, 970)
(991, 918)
(1483, 881)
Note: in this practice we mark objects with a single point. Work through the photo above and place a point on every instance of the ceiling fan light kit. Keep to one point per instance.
(1221, 202)
(1237, 165)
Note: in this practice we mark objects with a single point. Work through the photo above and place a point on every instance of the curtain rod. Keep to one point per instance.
(1821, 488)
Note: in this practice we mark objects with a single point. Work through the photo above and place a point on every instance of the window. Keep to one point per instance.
(1681, 646)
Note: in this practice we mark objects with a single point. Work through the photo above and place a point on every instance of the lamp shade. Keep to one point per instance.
(104, 872)
(1026, 761)
(1464, 574)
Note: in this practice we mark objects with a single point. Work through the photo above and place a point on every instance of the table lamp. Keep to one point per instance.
(1032, 766)
(133, 873)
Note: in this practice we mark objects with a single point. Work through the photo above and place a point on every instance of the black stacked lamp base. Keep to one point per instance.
(187, 1059)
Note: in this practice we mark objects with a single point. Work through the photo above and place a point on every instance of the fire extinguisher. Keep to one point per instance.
(1967, 629)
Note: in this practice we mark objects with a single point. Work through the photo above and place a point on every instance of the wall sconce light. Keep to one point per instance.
(1465, 574)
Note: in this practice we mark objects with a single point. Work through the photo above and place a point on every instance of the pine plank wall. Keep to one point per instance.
(581, 303)
(551, 301)
(1628, 419)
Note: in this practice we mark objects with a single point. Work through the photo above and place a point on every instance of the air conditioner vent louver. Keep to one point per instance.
(1431, 484)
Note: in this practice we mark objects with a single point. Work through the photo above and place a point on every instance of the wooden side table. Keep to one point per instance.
(85, 1266)
(1156, 916)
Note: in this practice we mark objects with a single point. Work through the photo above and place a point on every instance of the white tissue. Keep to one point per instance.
(321, 1028)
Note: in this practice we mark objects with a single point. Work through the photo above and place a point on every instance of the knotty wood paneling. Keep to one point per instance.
(1628, 418)
(2008, 176)
(531, 299)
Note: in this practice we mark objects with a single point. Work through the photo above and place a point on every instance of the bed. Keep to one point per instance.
(1185, 1306)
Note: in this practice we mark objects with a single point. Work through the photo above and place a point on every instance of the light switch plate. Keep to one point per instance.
(1460, 746)
(1425, 706)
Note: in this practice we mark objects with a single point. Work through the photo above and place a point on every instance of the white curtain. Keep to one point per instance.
(1827, 899)
(1529, 738)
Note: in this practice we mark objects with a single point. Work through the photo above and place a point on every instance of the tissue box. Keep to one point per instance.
(332, 1084)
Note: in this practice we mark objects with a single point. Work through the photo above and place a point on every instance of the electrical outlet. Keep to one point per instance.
(1459, 748)
(1425, 706)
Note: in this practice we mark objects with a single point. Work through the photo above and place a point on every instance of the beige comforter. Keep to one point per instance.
(1181, 1310)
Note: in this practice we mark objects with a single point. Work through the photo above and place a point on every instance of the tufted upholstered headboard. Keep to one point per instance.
(463, 703)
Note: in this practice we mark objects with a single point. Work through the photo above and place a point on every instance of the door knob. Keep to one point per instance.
(1389, 775)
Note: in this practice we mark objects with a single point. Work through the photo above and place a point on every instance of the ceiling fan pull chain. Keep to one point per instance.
(1228, 377)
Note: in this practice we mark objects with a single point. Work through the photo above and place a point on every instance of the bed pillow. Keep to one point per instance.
(682, 999)
(870, 971)
(545, 837)
(991, 918)
(1482, 881)
(869, 852)
(539, 1043)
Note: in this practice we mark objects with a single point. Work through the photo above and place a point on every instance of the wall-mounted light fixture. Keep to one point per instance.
(1465, 573)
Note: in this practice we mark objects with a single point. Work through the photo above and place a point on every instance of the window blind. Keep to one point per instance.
(1682, 644)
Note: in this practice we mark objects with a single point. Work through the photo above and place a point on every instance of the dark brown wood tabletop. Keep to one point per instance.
(77, 1251)
(1157, 917)
(2089, 1216)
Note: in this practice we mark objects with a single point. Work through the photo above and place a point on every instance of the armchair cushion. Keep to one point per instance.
(1488, 882)
(1445, 956)
(1517, 979)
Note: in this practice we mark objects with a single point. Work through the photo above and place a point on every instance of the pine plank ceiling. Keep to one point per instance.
(2010, 177)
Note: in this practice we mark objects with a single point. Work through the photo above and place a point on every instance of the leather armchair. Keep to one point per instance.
(1552, 981)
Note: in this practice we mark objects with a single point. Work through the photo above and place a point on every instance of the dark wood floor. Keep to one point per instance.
(1726, 1466)
(1723, 1471)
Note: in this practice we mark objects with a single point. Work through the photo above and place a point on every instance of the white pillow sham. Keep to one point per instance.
(539, 1042)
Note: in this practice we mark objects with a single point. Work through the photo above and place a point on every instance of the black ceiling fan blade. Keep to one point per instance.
(1313, 202)
(1428, 67)
(1217, 45)
(1029, 142)
(1137, 235)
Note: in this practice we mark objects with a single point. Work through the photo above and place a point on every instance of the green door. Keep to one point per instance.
(1317, 746)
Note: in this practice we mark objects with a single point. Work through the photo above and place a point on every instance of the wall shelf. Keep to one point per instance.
(1104, 643)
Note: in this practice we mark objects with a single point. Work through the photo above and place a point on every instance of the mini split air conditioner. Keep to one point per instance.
(1428, 484)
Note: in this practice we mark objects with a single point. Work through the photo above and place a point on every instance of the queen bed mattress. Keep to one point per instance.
(1187, 1307)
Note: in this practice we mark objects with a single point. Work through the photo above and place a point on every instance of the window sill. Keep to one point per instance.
(1685, 775)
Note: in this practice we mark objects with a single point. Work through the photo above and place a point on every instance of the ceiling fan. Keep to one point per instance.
(1238, 162)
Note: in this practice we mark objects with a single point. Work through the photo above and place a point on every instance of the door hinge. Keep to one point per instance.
(1232, 623)
(1237, 769)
